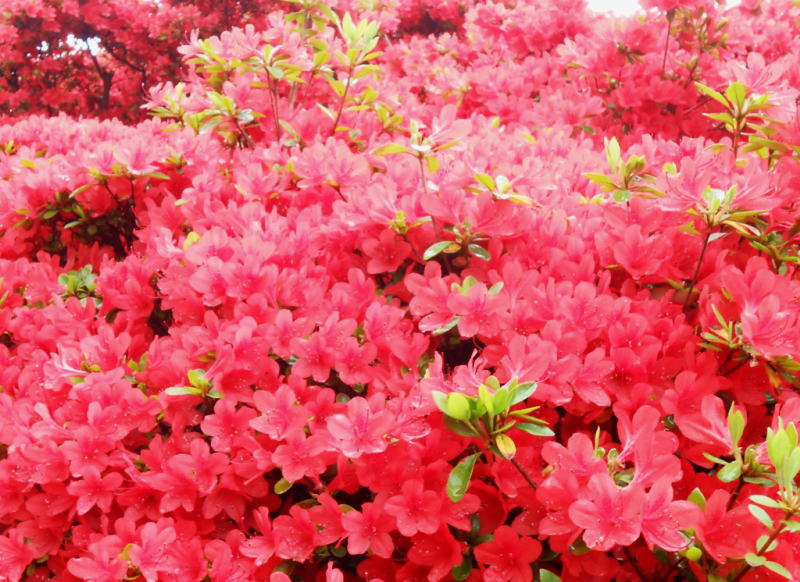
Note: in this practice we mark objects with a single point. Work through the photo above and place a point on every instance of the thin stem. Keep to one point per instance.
(304, 98)
(435, 224)
(243, 135)
(735, 495)
(523, 472)
(414, 249)
(632, 559)
(670, 16)
(693, 282)
(294, 90)
(275, 115)
(673, 567)
(341, 103)
(763, 548)
(734, 368)
(273, 101)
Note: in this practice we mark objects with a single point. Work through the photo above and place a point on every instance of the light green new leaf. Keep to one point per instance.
(535, 429)
(761, 515)
(435, 249)
(548, 576)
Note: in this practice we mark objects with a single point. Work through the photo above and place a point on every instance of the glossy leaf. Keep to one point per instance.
(459, 478)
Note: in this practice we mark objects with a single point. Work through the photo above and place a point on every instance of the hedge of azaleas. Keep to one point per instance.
(414, 291)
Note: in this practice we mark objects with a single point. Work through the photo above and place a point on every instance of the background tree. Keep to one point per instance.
(95, 57)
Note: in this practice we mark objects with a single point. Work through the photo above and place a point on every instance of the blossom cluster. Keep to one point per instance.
(414, 291)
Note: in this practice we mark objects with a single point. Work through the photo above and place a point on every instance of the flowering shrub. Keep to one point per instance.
(412, 291)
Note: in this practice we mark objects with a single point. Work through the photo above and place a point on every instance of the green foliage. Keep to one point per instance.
(199, 386)
(628, 177)
(489, 417)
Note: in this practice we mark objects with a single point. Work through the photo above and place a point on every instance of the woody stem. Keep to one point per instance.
(666, 43)
(763, 548)
(342, 102)
(523, 472)
(634, 565)
(693, 282)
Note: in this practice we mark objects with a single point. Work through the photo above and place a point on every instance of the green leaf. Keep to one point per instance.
(182, 391)
(715, 95)
(459, 427)
(762, 481)
(282, 486)
(463, 570)
(791, 466)
(197, 377)
(601, 180)
(391, 148)
(754, 559)
(761, 543)
(697, 497)
(730, 472)
(486, 399)
(495, 289)
(440, 399)
(458, 406)
(724, 323)
(447, 326)
(761, 515)
(736, 93)
(523, 391)
(778, 447)
(791, 526)
(622, 196)
(80, 189)
(693, 553)
(735, 423)
(612, 152)
(479, 252)
(276, 72)
(535, 429)
(548, 576)
(579, 547)
(458, 481)
(502, 400)
(765, 501)
(157, 175)
(435, 249)
(778, 569)
(486, 181)
(721, 117)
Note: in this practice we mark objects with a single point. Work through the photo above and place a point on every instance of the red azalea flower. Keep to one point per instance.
(609, 515)
(361, 430)
(416, 510)
(369, 529)
(93, 490)
(662, 518)
(15, 555)
(727, 533)
(439, 551)
(508, 556)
